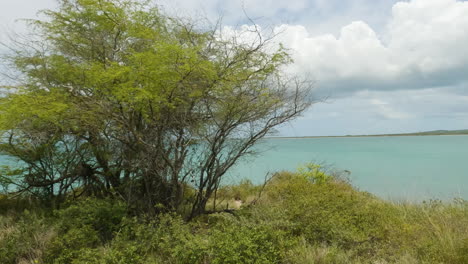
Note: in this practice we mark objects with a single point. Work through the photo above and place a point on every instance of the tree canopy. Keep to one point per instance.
(116, 98)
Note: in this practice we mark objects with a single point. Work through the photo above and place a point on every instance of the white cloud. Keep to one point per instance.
(425, 46)
(422, 46)
(394, 69)
(431, 34)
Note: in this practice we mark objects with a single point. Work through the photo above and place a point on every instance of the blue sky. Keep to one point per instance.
(385, 66)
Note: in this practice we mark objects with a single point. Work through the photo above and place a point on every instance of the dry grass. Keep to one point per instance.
(28, 236)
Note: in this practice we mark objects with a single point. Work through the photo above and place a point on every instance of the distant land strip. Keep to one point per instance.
(425, 133)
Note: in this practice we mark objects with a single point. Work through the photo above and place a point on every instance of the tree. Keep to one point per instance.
(116, 98)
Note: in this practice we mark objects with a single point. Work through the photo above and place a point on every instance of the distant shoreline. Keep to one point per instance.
(429, 133)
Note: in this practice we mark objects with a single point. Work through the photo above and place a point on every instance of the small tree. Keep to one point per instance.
(118, 99)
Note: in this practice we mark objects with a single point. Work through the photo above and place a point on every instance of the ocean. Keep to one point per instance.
(401, 168)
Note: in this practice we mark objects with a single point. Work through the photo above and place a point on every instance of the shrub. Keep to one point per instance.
(314, 173)
(72, 244)
(240, 240)
(166, 238)
(102, 215)
(330, 213)
(299, 219)
(111, 255)
(84, 224)
(219, 238)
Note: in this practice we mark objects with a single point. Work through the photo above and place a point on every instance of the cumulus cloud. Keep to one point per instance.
(424, 45)
(387, 66)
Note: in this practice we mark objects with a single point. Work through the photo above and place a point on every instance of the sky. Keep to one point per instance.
(384, 66)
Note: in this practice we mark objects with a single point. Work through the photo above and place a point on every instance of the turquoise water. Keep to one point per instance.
(396, 168)
(406, 168)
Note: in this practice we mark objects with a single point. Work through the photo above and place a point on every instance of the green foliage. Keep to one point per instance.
(226, 240)
(83, 225)
(332, 217)
(331, 213)
(240, 240)
(104, 216)
(120, 98)
(106, 255)
(64, 248)
(297, 220)
(167, 237)
(314, 173)
(24, 237)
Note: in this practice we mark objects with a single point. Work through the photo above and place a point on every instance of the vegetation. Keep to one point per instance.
(113, 98)
(123, 122)
(296, 219)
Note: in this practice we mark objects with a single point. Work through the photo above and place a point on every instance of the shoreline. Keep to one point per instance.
(354, 136)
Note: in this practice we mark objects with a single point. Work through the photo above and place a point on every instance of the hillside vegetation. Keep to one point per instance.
(121, 124)
(302, 217)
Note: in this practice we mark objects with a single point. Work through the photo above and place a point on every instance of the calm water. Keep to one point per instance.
(396, 168)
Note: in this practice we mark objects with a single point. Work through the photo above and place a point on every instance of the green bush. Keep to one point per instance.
(72, 244)
(239, 240)
(111, 255)
(299, 219)
(164, 239)
(330, 213)
(169, 239)
(83, 225)
(313, 173)
(102, 215)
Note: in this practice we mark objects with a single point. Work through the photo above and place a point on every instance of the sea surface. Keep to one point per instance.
(401, 168)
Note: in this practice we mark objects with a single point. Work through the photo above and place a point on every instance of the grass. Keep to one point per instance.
(301, 217)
